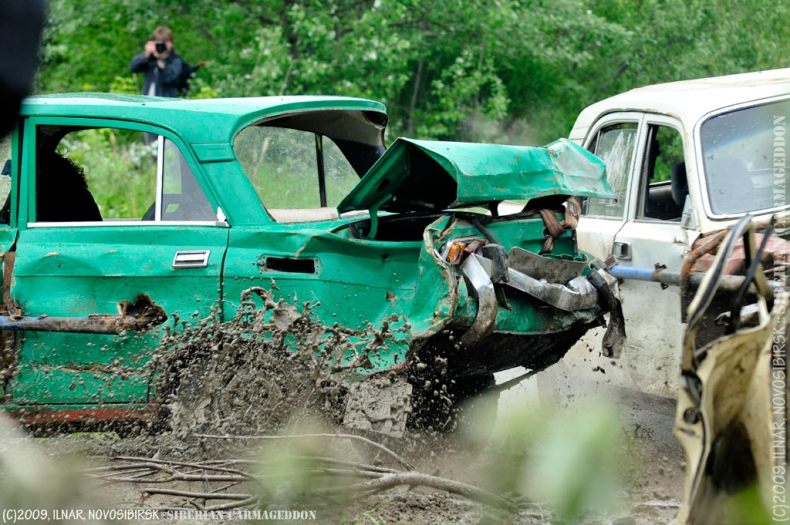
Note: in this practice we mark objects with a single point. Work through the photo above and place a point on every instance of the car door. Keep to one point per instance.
(653, 237)
(157, 240)
(614, 139)
(9, 175)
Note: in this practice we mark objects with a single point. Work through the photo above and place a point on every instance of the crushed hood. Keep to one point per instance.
(432, 175)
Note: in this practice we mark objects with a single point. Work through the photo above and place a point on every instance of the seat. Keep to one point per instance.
(680, 184)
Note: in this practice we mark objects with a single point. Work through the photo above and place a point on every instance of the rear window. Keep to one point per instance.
(303, 164)
(294, 169)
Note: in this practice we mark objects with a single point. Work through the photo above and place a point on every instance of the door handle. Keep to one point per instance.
(621, 250)
(191, 259)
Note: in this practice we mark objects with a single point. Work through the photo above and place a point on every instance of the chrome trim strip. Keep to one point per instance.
(160, 173)
(135, 222)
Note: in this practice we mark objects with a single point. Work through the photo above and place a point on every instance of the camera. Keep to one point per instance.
(161, 47)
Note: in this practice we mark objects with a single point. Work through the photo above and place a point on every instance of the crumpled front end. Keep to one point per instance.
(495, 290)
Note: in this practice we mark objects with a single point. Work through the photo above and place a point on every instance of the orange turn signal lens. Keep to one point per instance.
(455, 252)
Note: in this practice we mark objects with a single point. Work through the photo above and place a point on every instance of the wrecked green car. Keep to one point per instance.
(125, 215)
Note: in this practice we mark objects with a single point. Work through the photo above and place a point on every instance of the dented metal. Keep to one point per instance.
(732, 406)
(94, 324)
(485, 320)
(86, 335)
(577, 294)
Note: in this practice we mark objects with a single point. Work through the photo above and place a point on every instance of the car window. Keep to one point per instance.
(110, 174)
(744, 170)
(284, 166)
(116, 167)
(663, 182)
(5, 180)
(182, 197)
(615, 145)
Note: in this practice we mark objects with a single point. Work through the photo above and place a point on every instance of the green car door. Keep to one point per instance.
(113, 216)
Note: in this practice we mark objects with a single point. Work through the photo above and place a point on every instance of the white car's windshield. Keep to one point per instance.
(744, 154)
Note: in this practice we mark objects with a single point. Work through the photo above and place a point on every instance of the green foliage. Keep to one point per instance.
(746, 508)
(505, 70)
(533, 453)
(126, 84)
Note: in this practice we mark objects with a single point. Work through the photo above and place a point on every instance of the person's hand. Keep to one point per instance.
(200, 64)
(150, 48)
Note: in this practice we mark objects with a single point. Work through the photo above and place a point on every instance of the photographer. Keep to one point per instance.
(166, 73)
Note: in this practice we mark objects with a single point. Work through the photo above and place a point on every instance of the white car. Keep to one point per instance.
(684, 159)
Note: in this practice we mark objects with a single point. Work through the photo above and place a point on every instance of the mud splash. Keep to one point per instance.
(269, 365)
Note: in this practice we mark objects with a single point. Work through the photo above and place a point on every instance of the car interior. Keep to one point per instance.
(63, 193)
(664, 199)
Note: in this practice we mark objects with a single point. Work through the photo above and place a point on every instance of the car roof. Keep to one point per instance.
(689, 100)
(196, 120)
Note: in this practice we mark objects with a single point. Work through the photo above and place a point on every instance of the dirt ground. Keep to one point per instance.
(651, 495)
(651, 472)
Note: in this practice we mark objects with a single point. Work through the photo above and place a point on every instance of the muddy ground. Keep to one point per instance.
(651, 488)
(296, 396)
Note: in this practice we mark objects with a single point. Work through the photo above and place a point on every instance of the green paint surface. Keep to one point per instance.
(416, 174)
(394, 277)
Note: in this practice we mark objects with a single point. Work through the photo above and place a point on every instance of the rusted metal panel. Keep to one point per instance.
(138, 316)
(75, 414)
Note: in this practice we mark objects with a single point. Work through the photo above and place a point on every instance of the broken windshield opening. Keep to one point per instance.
(744, 159)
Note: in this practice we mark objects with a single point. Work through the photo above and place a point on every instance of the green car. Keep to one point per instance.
(124, 214)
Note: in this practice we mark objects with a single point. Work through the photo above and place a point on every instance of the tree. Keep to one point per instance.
(499, 70)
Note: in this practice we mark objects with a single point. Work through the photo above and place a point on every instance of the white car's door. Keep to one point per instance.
(653, 237)
(614, 139)
(641, 228)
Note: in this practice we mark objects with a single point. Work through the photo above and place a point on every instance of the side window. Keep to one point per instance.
(93, 174)
(5, 180)
(281, 164)
(615, 145)
(294, 169)
(182, 197)
(663, 182)
(113, 174)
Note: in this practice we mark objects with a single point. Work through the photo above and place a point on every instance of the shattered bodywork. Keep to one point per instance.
(417, 250)
(732, 408)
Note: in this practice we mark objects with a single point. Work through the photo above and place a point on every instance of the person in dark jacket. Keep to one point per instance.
(166, 73)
